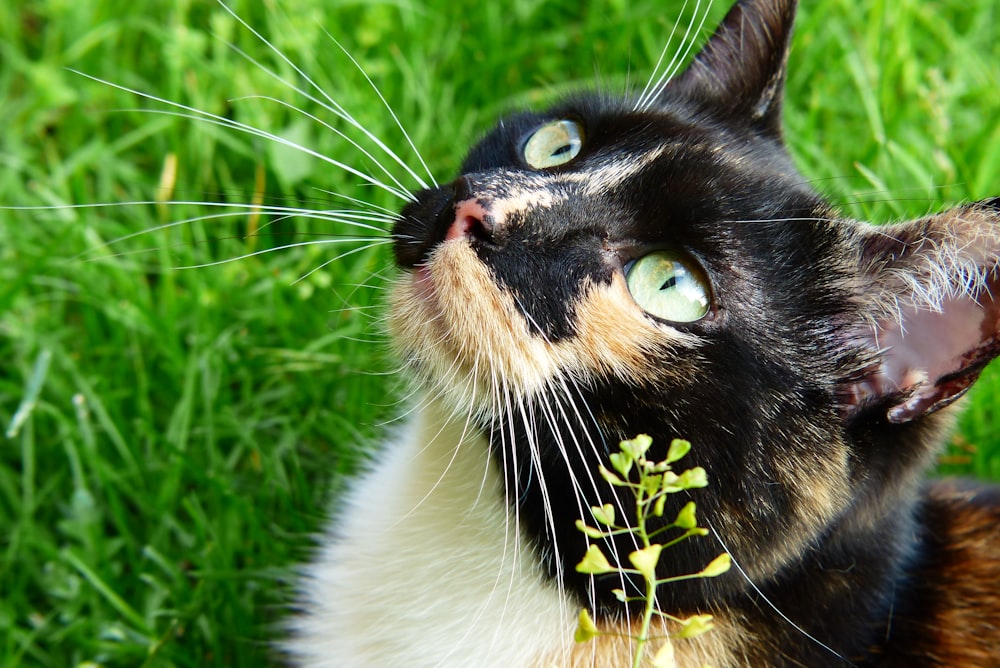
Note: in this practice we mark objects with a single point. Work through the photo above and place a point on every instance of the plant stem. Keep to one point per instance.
(647, 616)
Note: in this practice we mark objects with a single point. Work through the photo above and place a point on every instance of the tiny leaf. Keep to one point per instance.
(678, 448)
(586, 629)
(611, 477)
(621, 463)
(637, 447)
(645, 560)
(604, 514)
(620, 595)
(695, 625)
(664, 657)
(686, 518)
(669, 483)
(657, 467)
(594, 562)
(651, 484)
(589, 531)
(718, 566)
(660, 503)
(692, 478)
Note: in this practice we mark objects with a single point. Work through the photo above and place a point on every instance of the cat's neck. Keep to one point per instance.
(430, 561)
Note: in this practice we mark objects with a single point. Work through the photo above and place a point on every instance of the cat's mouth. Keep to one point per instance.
(423, 283)
(449, 319)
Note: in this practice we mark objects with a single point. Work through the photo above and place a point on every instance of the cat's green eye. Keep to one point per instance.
(554, 144)
(669, 286)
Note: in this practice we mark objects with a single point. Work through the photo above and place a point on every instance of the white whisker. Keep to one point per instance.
(214, 119)
(333, 107)
(391, 111)
(314, 242)
(745, 576)
(679, 57)
(360, 202)
(370, 244)
(659, 61)
(331, 129)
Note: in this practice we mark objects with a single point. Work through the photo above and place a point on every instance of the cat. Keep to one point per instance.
(656, 265)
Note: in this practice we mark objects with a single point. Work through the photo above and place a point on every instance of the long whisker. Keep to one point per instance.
(338, 215)
(334, 106)
(764, 597)
(374, 208)
(656, 68)
(679, 63)
(350, 218)
(388, 108)
(215, 119)
(370, 244)
(500, 400)
(598, 494)
(679, 58)
(314, 242)
(444, 382)
(330, 128)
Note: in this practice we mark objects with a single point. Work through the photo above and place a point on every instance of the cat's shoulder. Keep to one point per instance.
(961, 520)
(950, 614)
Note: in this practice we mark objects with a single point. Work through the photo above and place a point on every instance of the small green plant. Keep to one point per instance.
(650, 484)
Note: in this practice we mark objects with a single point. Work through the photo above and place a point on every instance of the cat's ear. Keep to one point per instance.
(740, 72)
(931, 293)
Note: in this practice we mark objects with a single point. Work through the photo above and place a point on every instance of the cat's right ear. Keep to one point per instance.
(930, 295)
(740, 72)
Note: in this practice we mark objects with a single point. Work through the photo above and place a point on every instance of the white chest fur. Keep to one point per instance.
(424, 565)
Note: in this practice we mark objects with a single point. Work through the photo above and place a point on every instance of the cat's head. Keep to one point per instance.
(610, 267)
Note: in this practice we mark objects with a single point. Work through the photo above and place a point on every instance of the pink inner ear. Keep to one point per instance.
(932, 356)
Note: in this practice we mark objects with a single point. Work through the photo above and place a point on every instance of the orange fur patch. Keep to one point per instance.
(952, 615)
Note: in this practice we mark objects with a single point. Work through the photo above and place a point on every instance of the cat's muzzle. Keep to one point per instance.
(437, 214)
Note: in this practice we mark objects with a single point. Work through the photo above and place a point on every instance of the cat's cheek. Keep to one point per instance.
(615, 338)
(451, 319)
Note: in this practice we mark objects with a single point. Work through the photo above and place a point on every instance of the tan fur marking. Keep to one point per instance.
(614, 337)
(820, 491)
(598, 182)
(466, 329)
(522, 192)
(527, 198)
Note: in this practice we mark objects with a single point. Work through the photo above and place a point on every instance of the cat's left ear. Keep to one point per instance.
(930, 294)
(740, 72)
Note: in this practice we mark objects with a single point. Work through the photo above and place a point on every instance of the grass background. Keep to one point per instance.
(172, 434)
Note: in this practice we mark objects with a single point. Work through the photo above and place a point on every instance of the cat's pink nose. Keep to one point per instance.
(472, 220)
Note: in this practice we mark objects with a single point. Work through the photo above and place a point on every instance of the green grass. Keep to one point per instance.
(188, 424)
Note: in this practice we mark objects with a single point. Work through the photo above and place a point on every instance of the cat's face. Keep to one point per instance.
(613, 267)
